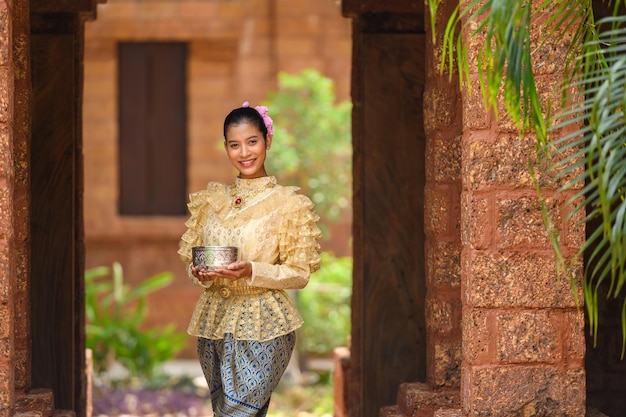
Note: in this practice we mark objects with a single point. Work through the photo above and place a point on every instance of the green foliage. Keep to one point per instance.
(115, 313)
(312, 400)
(594, 154)
(325, 306)
(505, 57)
(312, 145)
(587, 146)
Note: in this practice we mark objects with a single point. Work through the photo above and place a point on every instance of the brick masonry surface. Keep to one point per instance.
(7, 187)
(523, 340)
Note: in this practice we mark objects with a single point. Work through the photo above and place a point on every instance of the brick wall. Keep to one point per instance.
(443, 126)
(7, 215)
(21, 193)
(236, 49)
(523, 340)
(14, 203)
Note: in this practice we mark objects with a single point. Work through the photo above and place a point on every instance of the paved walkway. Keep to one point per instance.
(191, 368)
(188, 368)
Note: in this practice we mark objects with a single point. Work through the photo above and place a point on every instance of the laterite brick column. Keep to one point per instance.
(523, 340)
(7, 215)
(443, 127)
(21, 193)
(14, 203)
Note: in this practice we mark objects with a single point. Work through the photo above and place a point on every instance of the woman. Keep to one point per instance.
(244, 320)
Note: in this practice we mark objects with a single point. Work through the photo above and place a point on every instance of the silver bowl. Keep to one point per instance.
(212, 257)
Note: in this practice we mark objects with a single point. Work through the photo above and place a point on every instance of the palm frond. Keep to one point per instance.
(588, 154)
(505, 59)
(602, 158)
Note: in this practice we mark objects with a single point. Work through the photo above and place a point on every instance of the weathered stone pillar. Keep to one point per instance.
(523, 340)
(7, 212)
(21, 195)
(443, 126)
(14, 203)
(27, 290)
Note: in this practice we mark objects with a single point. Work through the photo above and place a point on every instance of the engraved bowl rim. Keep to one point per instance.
(214, 247)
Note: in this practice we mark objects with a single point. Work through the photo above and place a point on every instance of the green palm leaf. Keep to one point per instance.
(602, 142)
(586, 146)
(601, 160)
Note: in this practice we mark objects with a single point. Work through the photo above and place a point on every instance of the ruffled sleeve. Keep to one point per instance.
(198, 206)
(299, 248)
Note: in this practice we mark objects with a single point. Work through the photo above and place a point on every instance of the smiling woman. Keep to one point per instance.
(247, 146)
(244, 320)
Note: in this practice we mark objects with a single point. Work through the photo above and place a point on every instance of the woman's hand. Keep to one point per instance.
(234, 271)
(203, 275)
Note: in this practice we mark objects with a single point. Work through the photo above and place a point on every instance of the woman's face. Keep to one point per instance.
(246, 149)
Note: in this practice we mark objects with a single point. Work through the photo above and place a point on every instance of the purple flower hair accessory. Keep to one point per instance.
(269, 123)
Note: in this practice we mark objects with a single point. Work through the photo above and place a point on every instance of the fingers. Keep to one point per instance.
(233, 272)
(229, 274)
(241, 268)
(235, 266)
(203, 275)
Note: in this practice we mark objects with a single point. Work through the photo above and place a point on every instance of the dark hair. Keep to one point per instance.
(245, 115)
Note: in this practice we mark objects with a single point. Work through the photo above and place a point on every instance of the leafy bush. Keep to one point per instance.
(115, 313)
(325, 306)
(313, 146)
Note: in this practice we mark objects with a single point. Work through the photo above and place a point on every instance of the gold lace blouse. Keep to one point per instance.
(276, 230)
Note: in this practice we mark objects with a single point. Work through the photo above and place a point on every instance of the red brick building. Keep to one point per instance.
(457, 309)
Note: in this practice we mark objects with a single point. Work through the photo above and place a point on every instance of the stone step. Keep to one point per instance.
(391, 411)
(64, 413)
(36, 413)
(394, 411)
(417, 399)
(448, 412)
(37, 403)
(592, 412)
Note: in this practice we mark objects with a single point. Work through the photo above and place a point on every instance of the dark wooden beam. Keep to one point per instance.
(388, 323)
(353, 8)
(65, 6)
(57, 243)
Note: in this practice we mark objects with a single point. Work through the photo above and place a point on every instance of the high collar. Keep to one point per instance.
(254, 182)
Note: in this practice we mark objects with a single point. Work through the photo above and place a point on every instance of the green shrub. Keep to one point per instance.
(325, 306)
(115, 313)
(313, 142)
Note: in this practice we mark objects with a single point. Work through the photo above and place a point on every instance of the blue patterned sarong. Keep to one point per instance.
(242, 374)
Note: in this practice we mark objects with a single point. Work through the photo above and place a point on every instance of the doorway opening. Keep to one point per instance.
(225, 63)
